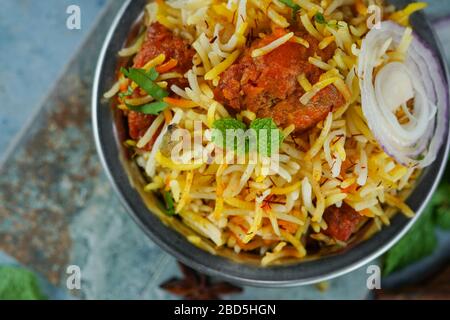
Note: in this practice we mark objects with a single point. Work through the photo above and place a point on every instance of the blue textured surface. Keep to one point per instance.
(35, 46)
(71, 215)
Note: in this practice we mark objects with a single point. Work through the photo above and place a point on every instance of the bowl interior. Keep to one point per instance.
(124, 175)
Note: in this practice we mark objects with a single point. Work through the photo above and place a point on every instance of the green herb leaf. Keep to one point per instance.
(219, 132)
(168, 200)
(418, 243)
(150, 108)
(320, 18)
(420, 157)
(128, 93)
(228, 123)
(145, 81)
(291, 4)
(153, 74)
(19, 284)
(267, 134)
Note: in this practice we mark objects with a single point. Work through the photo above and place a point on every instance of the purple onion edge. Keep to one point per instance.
(443, 80)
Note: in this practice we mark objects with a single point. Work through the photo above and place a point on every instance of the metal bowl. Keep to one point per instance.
(124, 176)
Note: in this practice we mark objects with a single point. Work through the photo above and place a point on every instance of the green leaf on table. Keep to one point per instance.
(418, 243)
(441, 201)
(19, 284)
(443, 218)
(421, 240)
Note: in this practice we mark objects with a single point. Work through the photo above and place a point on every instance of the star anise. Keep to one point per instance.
(197, 286)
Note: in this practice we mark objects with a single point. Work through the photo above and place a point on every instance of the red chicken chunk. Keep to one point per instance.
(138, 123)
(268, 86)
(342, 222)
(160, 40)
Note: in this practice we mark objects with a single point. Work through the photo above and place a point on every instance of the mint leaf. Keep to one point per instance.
(19, 284)
(150, 108)
(145, 81)
(263, 135)
(267, 134)
(228, 123)
(418, 243)
(226, 129)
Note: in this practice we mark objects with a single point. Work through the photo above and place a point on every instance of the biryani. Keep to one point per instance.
(278, 128)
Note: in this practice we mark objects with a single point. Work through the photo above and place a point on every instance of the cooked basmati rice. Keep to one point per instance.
(249, 206)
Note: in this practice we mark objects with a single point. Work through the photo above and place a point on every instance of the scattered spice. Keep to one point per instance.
(268, 201)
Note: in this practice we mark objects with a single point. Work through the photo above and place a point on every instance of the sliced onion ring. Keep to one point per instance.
(417, 143)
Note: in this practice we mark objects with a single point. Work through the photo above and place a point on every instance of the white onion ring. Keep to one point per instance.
(423, 136)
